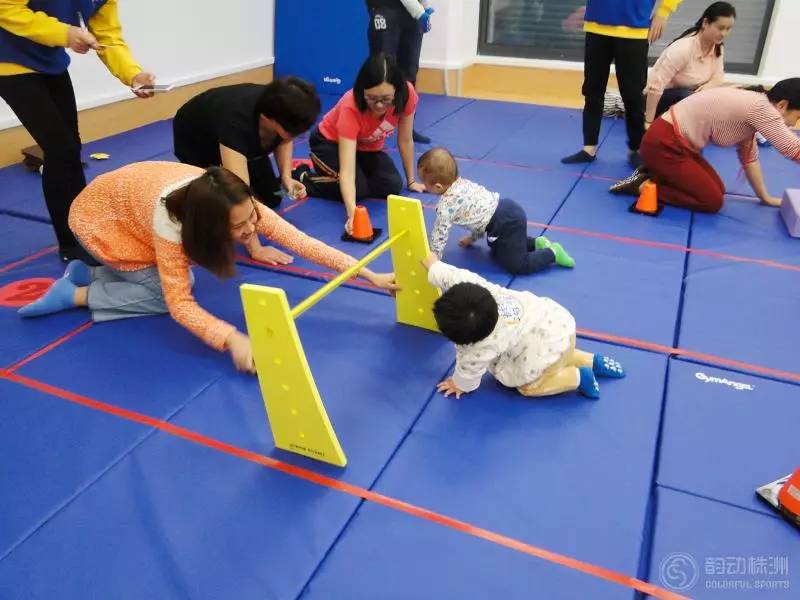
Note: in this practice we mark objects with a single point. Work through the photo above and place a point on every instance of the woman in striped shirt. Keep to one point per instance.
(692, 62)
(724, 117)
(147, 223)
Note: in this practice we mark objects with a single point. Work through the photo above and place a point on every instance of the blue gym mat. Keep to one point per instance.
(708, 550)
(520, 467)
(137, 514)
(544, 139)
(616, 287)
(371, 419)
(22, 337)
(22, 190)
(22, 237)
(779, 171)
(52, 450)
(478, 127)
(726, 433)
(743, 312)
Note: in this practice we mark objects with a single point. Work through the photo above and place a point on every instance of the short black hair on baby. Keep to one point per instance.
(466, 313)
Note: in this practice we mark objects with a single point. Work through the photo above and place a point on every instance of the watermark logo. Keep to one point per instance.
(679, 571)
(737, 385)
(335, 80)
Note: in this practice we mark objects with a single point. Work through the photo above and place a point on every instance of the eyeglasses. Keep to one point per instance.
(388, 99)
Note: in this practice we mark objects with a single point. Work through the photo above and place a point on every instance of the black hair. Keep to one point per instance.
(716, 10)
(466, 313)
(786, 89)
(203, 207)
(292, 102)
(378, 69)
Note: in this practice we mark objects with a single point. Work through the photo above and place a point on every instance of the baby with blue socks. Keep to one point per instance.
(526, 341)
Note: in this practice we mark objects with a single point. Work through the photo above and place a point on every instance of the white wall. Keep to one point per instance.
(181, 41)
(453, 41)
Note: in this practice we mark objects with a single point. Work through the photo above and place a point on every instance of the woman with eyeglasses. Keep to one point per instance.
(147, 223)
(347, 146)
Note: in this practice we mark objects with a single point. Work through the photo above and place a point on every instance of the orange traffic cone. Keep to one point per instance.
(647, 204)
(362, 230)
(789, 496)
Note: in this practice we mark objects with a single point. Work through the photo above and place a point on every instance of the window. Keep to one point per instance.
(553, 29)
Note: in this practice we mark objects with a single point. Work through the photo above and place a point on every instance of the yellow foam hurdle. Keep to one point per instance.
(294, 407)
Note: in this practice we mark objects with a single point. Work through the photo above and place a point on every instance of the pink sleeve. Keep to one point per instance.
(349, 123)
(766, 119)
(672, 61)
(413, 100)
(173, 270)
(287, 235)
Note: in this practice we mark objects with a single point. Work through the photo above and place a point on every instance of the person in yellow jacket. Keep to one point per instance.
(35, 83)
(618, 31)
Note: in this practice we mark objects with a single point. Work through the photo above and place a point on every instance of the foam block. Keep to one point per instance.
(790, 211)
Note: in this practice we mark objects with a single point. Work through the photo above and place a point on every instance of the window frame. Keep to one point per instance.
(517, 51)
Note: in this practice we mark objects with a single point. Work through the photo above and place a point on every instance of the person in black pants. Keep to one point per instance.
(396, 28)
(239, 127)
(35, 83)
(618, 31)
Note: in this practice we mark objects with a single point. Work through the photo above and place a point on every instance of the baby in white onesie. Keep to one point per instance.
(525, 341)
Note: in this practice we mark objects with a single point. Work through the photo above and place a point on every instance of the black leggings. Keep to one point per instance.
(630, 58)
(45, 105)
(376, 175)
(396, 33)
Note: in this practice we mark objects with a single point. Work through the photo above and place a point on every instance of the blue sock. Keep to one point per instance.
(79, 273)
(59, 297)
(605, 366)
(588, 385)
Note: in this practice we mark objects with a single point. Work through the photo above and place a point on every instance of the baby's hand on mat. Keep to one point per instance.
(430, 260)
(466, 241)
(448, 387)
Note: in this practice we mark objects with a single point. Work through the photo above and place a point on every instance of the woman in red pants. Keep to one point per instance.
(725, 117)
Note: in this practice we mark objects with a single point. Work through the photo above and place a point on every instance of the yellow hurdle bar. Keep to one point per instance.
(344, 276)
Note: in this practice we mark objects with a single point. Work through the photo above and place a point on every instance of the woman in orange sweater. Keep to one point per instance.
(147, 223)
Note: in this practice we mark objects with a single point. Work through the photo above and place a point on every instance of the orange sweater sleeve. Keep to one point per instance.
(287, 235)
(173, 269)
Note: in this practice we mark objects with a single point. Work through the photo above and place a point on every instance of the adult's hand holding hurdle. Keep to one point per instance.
(238, 345)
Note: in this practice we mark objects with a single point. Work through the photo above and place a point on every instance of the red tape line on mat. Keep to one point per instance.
(353, 490)
(51, 346)
(27, 259)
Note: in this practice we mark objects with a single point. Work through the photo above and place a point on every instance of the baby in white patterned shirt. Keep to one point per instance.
(465, 203)
(525, 341)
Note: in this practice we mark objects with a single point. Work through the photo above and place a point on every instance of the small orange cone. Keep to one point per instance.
(362, 228)
(789, 496)
(647, 204)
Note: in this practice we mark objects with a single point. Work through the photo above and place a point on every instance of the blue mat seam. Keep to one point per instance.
(19, 215)
(459, 109)
(87, 485)
(371, 486)
(718, 501)
(648, 527)
(679, 317)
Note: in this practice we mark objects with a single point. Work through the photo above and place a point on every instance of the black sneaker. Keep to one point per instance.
(579, 157)
(421, 139)
(304, 177)
(631, 184)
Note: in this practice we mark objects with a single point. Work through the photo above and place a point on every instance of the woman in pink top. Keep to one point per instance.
(347, 147)
(725, 117)
(147, 223)
(694, 61)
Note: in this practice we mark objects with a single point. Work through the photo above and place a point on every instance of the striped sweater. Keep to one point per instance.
(120, 219)
(731, 117)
